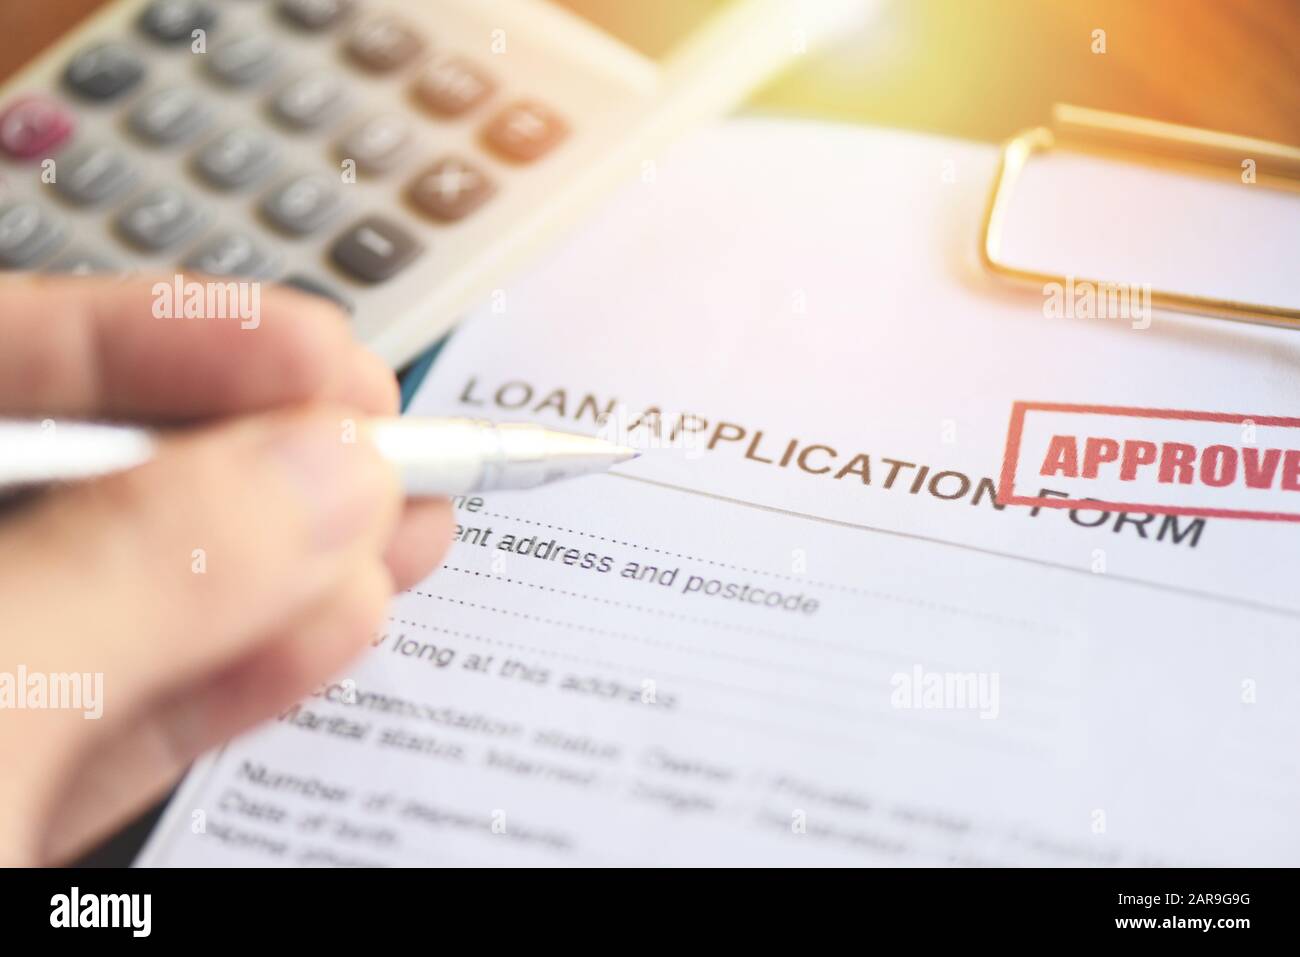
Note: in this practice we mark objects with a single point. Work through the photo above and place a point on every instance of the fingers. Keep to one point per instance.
(178, 571)
(132, 766)
(93, 347)
(420, 541)
(161, 574)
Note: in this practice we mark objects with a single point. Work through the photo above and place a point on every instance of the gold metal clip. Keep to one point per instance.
(1097, 131)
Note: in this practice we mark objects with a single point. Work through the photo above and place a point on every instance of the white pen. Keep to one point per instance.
(434, 456)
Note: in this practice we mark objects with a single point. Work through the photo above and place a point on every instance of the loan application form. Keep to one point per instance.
(800, 629)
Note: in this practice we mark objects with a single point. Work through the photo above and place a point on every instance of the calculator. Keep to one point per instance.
(398, 158)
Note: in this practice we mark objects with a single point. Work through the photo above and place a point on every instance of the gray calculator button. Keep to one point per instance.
(82, 262)
(314, 14)
(159, 219)
(243, 60)
(104, 71)
(378, 144)
(28, 233)
(236, 158)
(302, 205)
(308, 101)
(169, 116)
(374, 249)
(174, 21)
(383, 43)
(317, 288)
(93, 174)
(229, 254)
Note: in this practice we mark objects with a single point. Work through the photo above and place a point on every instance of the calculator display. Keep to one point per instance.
(654, 27)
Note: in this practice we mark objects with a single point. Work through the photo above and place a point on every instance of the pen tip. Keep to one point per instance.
(626, 454)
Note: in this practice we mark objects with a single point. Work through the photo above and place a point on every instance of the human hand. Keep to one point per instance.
(213, 586)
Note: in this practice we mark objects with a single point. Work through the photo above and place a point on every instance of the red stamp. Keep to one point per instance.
(1162, 461)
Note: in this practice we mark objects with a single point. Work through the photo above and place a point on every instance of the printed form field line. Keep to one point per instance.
(1248, 603)
(892, 655)
(954, 733)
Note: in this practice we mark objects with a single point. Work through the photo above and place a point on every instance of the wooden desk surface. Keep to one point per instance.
(985, 69)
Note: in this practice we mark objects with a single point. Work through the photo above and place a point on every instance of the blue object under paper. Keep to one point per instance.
(414, 374)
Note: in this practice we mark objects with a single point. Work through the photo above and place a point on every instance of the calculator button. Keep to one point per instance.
(383, 43)
(236, 158)
(524, 131)
(229, 254)
(315, 287)
(159, 219)
(378, 144)
(34, 127)
(452, 87)
(242, 61)
(315, 15)
(174, 21)
(28, 233)
(449, 190)
(169, 116)
(309, 101)
(92, 175)
(104, 71)
(81, 262)
(375, 249)
(302, 205)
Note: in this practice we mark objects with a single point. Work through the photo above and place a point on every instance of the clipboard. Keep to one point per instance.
(1206, 152)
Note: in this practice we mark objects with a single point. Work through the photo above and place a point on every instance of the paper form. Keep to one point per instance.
(799, 630)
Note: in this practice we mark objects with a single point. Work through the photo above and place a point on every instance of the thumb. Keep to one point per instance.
(158, 575)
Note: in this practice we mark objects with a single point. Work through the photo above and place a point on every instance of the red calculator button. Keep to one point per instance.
(34, 127)
(524, 131)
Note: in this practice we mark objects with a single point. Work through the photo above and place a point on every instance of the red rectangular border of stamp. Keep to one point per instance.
(1006, 484)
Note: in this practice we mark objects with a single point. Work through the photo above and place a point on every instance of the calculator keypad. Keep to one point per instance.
(230, 152)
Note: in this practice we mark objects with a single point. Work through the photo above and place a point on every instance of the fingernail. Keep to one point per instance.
(339, 475)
